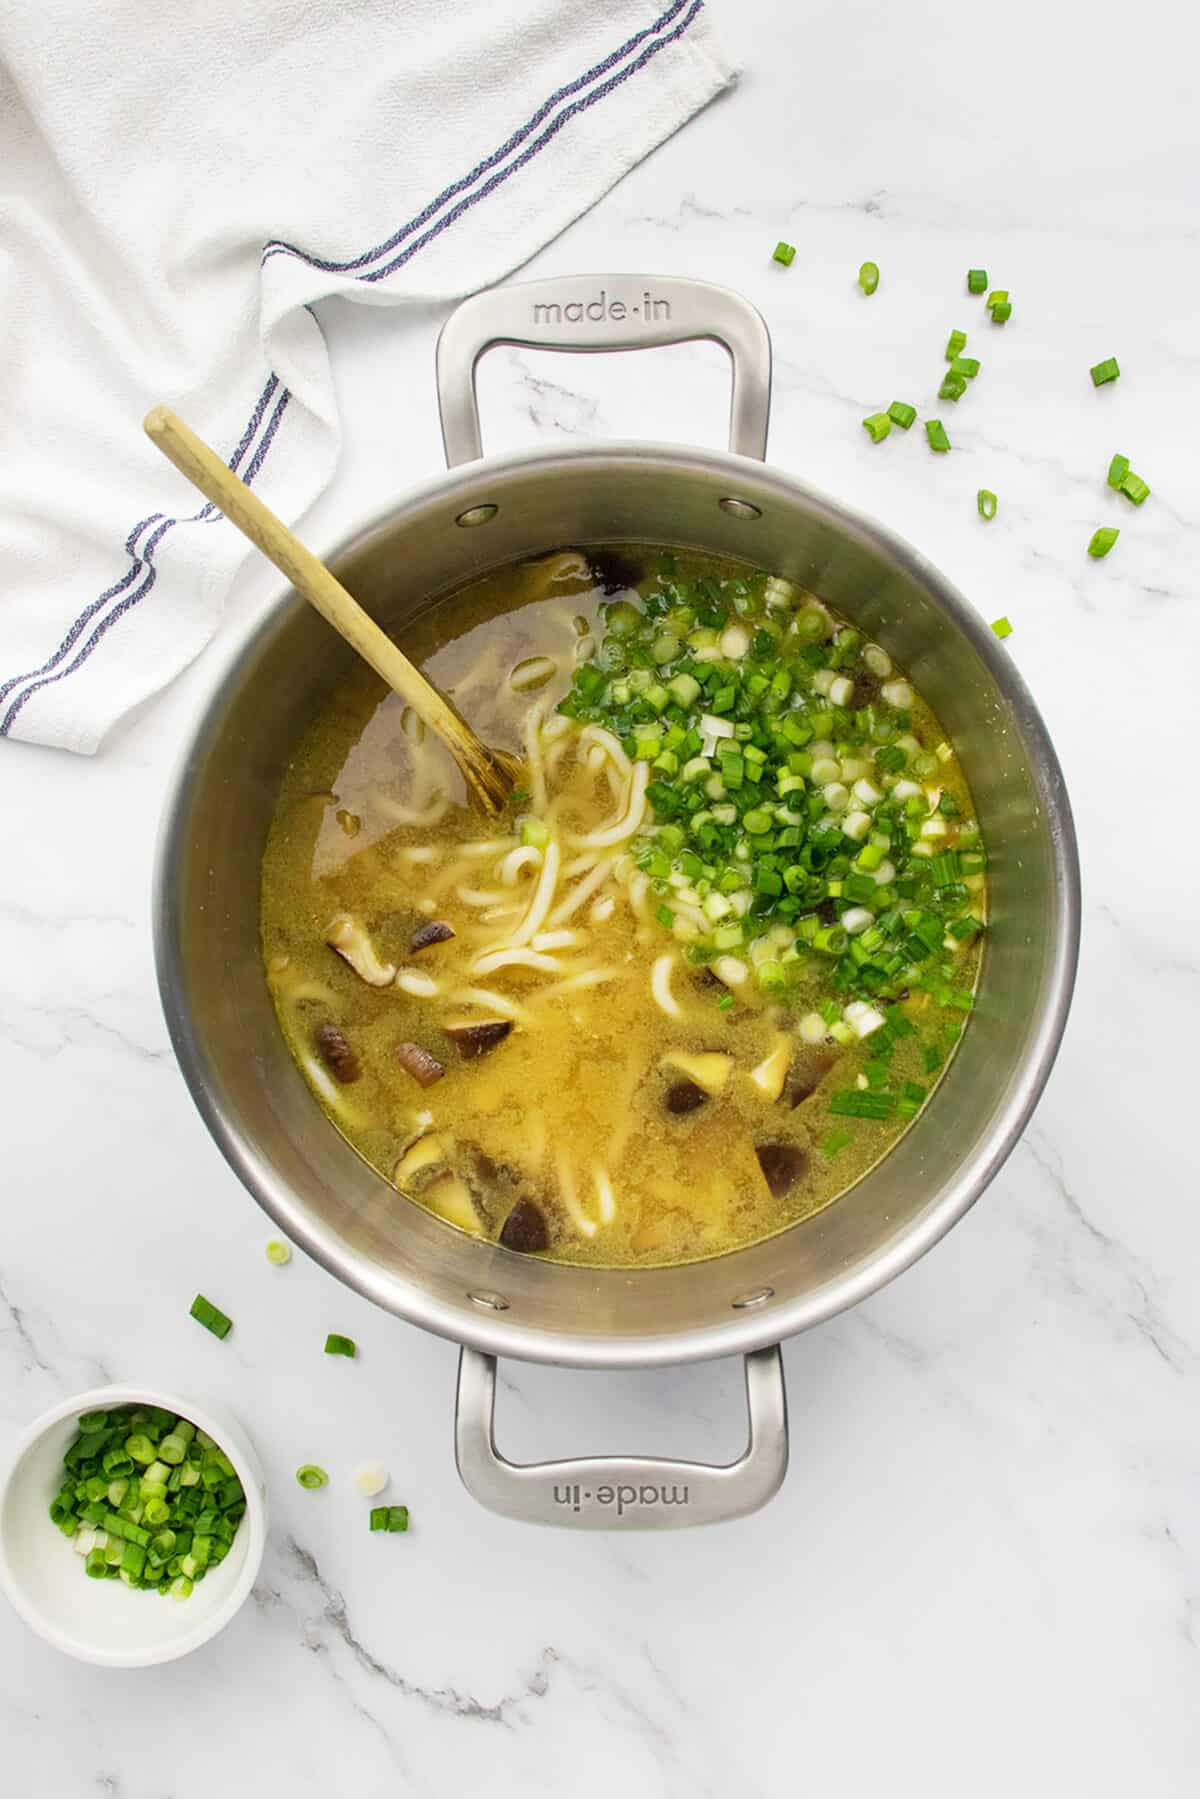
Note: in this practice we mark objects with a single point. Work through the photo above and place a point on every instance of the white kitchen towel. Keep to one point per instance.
(178, 185)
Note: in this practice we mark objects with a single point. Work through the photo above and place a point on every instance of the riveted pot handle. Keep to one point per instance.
(622, 1492)
(604, 312)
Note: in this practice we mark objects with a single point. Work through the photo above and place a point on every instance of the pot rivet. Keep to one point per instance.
(754, 1298)
(491, 1302)
(476, 515)
(739, 508)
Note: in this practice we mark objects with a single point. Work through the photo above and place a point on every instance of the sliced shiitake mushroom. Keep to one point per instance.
(525, 1229)
(683, 1097)
(348, 937)
(419, 1063)
(335, 1051)
(806, 1076)
(782, 1165)
(450, 1198)
(436, 931)
(477, 1039)
(419, 1163)
(616, 573)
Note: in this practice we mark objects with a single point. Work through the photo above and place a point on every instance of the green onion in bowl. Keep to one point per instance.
(147, 1499)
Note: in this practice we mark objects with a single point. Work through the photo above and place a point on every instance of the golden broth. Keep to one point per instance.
(587, 1132)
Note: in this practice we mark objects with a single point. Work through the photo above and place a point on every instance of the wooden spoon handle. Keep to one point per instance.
(489, 777)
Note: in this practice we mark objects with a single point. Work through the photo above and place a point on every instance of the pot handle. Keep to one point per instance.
(622, 1492)
(603, 312)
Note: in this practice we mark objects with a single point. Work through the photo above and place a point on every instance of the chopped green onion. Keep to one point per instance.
(953, 387)
(210, 1316)
(998, 296)
(312, 1476)
(1118, 468)
(1134, 488)
(976, 281)
(520, 796)
(1103, 540)
(877, 426)
(1108, 370)
(784, 253)
(534, 834)
(868, 277)
(965, 365)
(1001, 627)
(724, 1002)
(278, 1252)
(956, 342)
(834, 1141)
(665, 917)
(902, 414)
(935, 431)
(152, 1530)
(859, 1102)
(1001, 312)
(391, 1518)
(335, 1345)
(987, 502)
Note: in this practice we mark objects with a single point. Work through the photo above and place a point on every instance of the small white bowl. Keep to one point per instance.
(104, 1621)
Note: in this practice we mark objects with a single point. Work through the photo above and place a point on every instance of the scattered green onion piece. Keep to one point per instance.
(210, 1316)
(998, 296)
(520, 796)
(336, 1345)
(976, 281)
(1134, 488)
(1001, 312)
(312, 1476)
(935, 431)
(724, 1002)
(1103, 540)
(902, 414)
(967, 366)
(784, 253)
(956, 343)
(987, 503)
(534, 834)
(877, 426)
(278, 1252)
(1001, 627)
(868, 277)
(1118, 468)
(953, 387)
(835, 1141)
(1105, 371)
(391, 1518)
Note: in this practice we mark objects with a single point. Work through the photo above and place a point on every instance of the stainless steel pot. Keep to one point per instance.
(257, 1106)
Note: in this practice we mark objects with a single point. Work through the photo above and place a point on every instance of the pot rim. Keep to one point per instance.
(494, 1333)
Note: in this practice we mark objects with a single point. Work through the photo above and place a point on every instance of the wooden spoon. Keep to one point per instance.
(490, 774)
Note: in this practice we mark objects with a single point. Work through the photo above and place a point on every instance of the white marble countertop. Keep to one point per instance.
(983, 1573)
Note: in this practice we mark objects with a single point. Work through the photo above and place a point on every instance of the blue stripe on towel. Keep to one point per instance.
(206, 515)
(142, 561)
(81, 623)
(277, 247)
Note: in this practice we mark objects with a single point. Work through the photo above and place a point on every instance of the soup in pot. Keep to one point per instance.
(705, 969)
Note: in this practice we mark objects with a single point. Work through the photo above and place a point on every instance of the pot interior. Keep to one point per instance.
(317, 1188)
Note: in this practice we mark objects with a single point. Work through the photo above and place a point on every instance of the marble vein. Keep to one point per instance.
(1141, 1309)
(303, 1568)
(19, 1327)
